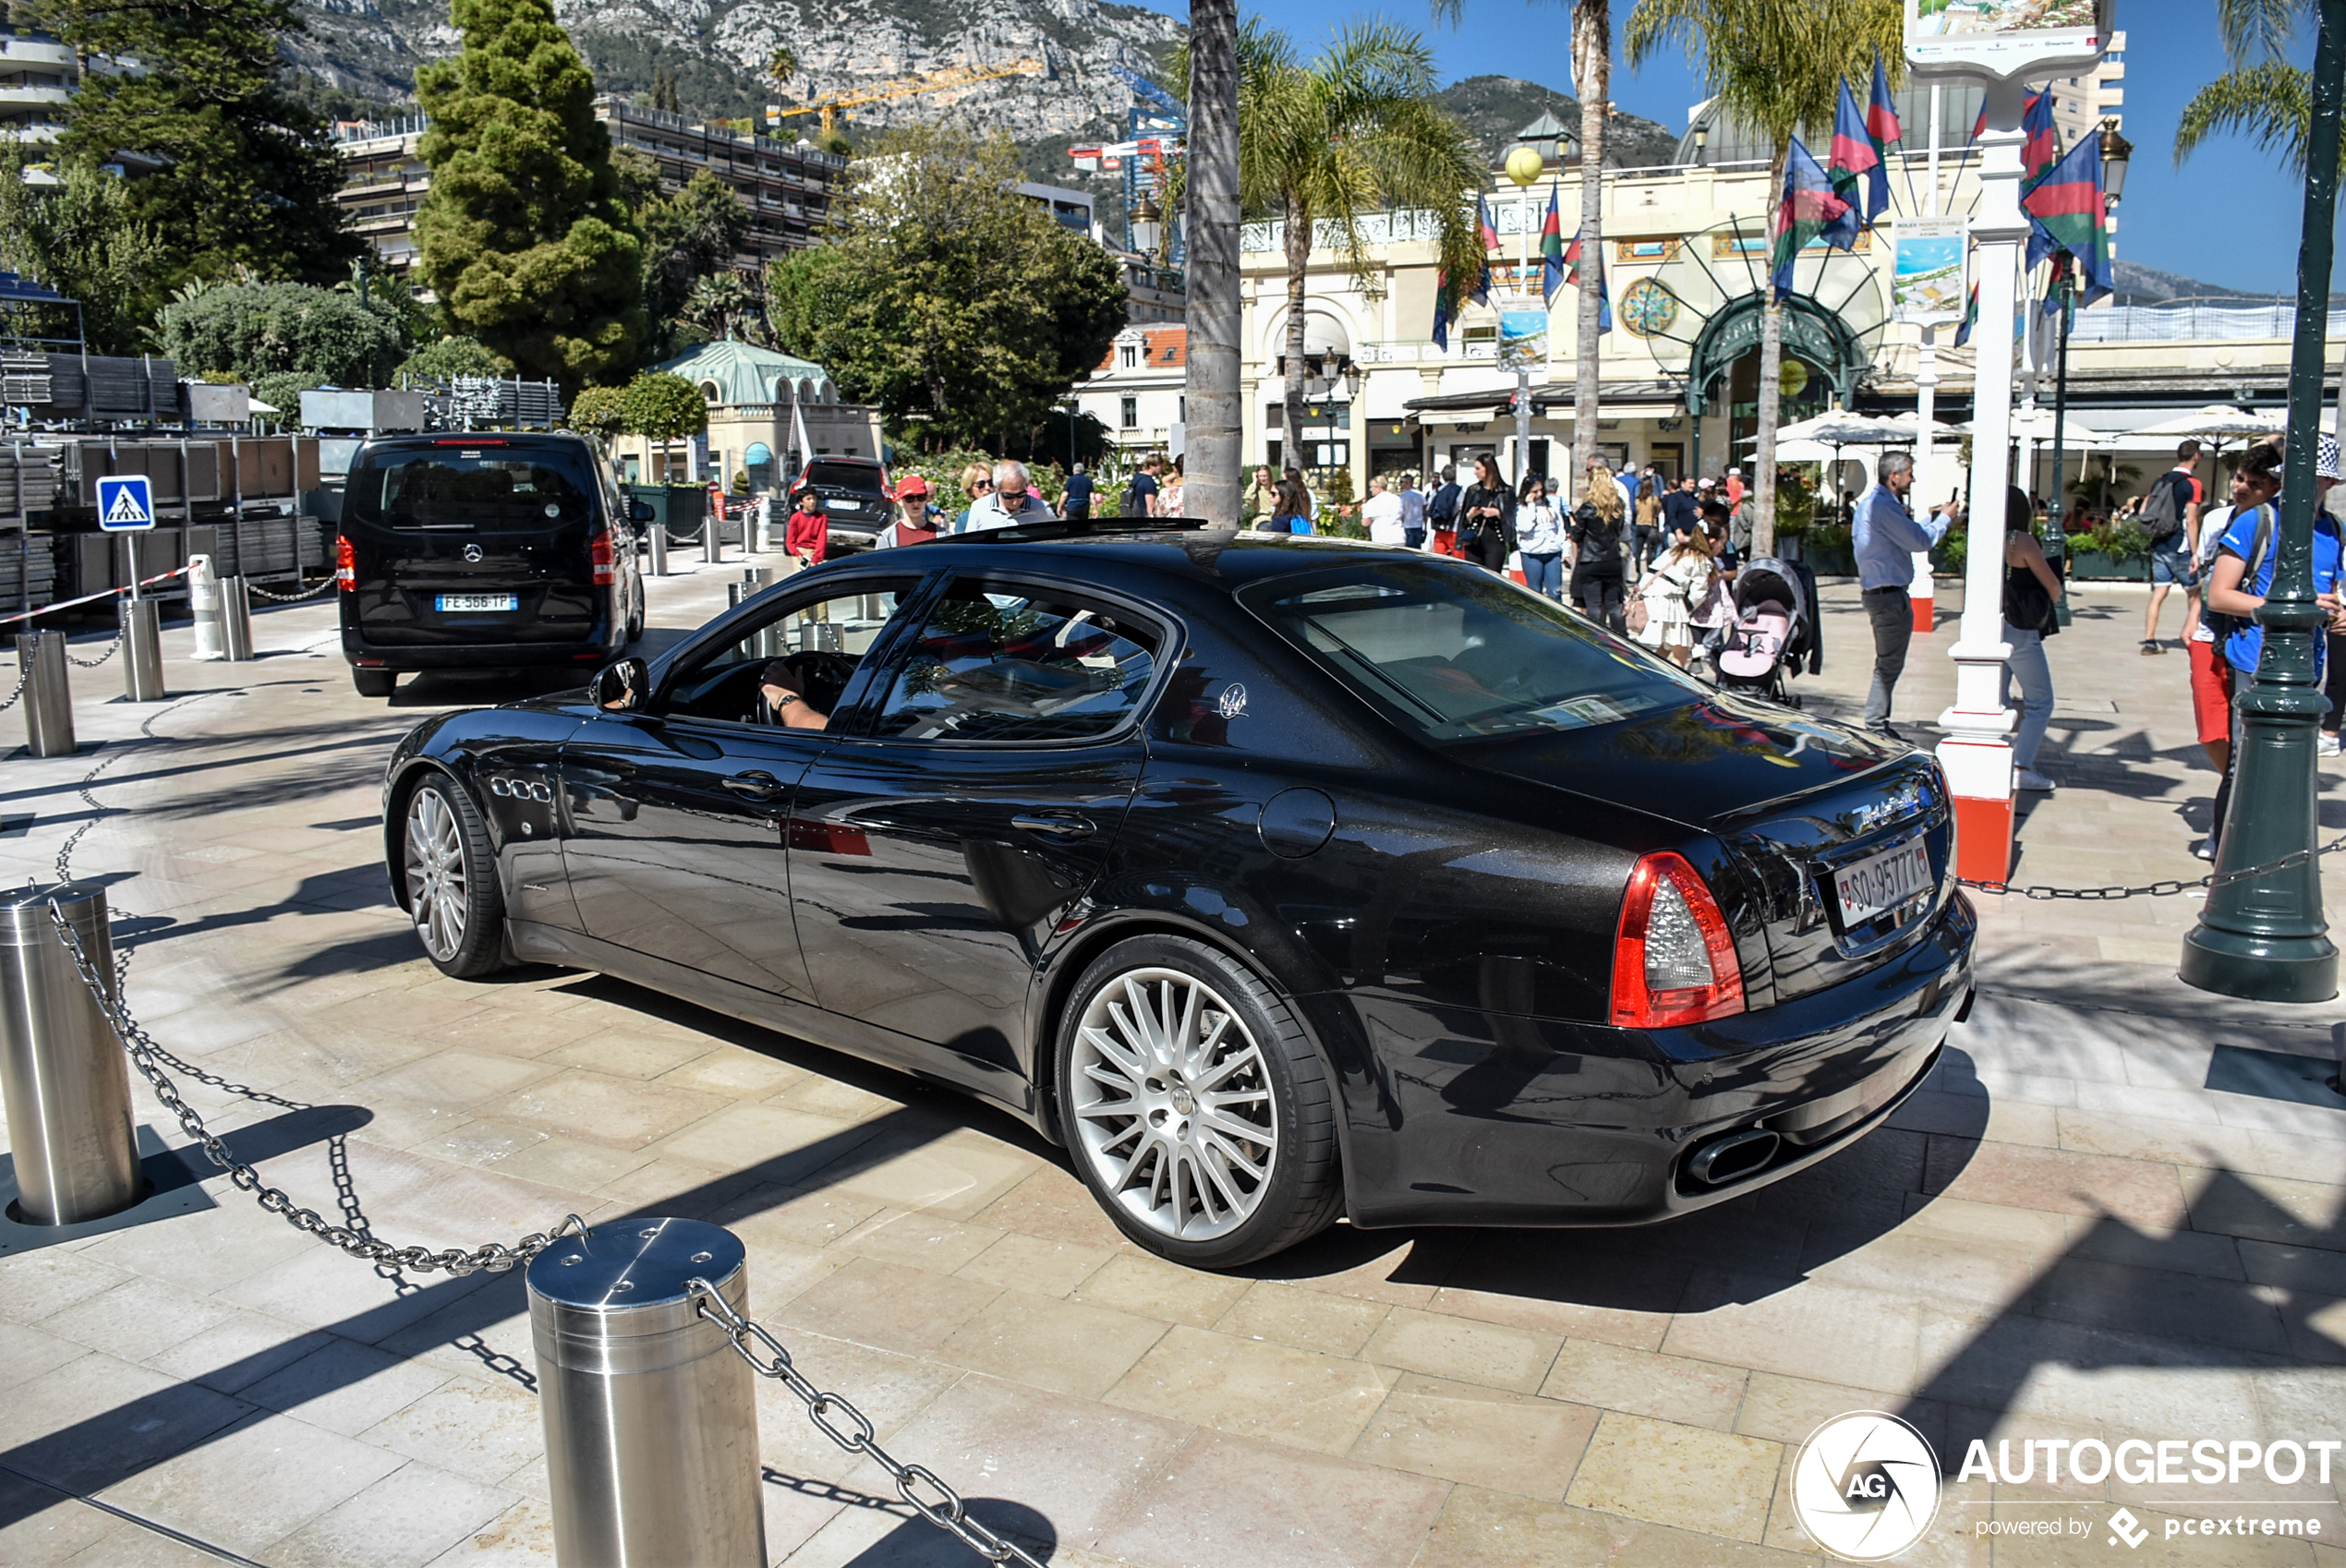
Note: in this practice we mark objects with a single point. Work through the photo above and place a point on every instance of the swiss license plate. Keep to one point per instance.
(475, 604)
(1883, 881)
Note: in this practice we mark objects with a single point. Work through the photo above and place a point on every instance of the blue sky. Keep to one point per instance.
(2229, 216)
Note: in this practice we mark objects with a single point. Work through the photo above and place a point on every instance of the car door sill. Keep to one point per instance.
(534, 943)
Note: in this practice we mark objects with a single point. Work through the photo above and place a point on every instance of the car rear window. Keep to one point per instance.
(843, 476)
(1457, 653)
(484, 490)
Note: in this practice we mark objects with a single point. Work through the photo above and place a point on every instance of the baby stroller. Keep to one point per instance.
(1774, 630)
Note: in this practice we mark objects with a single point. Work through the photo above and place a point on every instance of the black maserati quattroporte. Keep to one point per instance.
(1274, 878)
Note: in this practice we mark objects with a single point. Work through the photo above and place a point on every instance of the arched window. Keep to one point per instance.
(708, 391)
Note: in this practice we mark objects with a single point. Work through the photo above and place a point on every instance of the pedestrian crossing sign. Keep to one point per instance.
(126, 502)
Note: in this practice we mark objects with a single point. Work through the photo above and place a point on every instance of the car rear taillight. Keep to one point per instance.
(1673, 960)
(606, 564)
(345, 566)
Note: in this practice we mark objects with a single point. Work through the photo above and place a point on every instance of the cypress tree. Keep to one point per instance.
(243, 173)
(524, 235)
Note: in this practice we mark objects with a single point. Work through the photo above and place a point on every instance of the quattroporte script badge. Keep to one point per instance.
(1865, 1486)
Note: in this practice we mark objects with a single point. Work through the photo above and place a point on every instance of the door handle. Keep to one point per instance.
(755, 786)
(1064, 825)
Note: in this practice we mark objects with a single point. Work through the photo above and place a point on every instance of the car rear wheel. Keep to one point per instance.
(451, 881)
(635, 613)
(374, 683)
(1197, 1111)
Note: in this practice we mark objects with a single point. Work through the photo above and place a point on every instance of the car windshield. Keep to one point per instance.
(1460, 654)
(843, 476)
(491, 489)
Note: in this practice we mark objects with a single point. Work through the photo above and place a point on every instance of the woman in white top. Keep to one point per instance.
(1674, 585)
(1168, 494)
(1538, 535)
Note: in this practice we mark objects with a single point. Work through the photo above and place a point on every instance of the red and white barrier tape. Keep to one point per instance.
(92, 598)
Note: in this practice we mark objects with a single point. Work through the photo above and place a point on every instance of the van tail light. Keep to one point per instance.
(345, 566)
(606, 564)
(1673, 960)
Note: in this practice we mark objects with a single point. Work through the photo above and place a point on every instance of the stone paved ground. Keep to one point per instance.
(2068, 1235)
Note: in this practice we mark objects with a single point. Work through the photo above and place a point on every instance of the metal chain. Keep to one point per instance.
(24, 679)
(112, 648)
(946, 1511)
(260, 593)
(2043, 893)
(495, 1257)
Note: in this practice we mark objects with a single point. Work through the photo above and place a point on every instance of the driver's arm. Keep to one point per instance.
(779, 687)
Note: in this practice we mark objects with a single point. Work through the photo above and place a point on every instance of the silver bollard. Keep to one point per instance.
(62, 1071)
(142, 651)
(736, 592)
(48, 694)
(203, 602)
(712, 536)
(236, 620)
(658, 534)
(651, 1417)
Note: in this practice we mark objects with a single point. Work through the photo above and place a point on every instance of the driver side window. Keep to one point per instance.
(996, 662)
(822, 641)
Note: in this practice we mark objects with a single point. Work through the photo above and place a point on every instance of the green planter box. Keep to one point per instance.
(2087, 565)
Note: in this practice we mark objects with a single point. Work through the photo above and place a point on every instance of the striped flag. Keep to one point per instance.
(1855, 157)
(2042, 149)
(1808, 209)
(2067, 216)
(1881, 116)
(1551, 251)
(1572, 276)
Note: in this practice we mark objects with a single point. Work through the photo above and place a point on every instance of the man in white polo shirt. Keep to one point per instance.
(1382, 512)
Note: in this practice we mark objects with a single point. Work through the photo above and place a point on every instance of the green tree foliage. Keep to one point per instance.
(687, 237)
(283, 393)
(249, 330)
(663, 407)
(2264, 96)
(249, 172)
(600, 411)
(522, 235)
(948, 298)
(456, 357)
(1777, 65)
(722, 306)
(84, 239)
(1323, 143)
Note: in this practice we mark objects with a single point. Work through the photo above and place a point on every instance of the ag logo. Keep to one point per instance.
(1865, 1486)
(1233, 701)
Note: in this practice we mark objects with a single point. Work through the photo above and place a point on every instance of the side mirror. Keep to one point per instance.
(621, 687)
(641, 512)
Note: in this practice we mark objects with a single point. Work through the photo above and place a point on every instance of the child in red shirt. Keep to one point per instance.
(808, 538)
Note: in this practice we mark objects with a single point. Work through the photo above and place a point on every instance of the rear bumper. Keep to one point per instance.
(582, 655)
(1475, 1118)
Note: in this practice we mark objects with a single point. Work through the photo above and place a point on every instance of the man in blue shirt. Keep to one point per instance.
(1885, 536)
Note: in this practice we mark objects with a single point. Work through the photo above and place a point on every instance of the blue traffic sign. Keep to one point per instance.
(126, 502)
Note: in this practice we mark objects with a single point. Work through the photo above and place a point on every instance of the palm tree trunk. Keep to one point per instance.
(1299, 256)
(1592, 77)
(1764, 483)
(1210, 382)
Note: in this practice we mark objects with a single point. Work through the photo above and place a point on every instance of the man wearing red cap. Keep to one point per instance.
(911, 525)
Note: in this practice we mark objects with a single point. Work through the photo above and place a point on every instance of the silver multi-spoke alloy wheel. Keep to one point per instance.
(436, 885)
(1173, 1102)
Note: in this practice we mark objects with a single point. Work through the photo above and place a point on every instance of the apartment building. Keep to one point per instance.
(786, 188)
(37, 76)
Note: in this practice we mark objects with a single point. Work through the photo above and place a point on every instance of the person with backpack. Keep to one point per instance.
(2242, 576)
(1442, 513)
(2031, 590)
(2255, 480)
(2171, 516)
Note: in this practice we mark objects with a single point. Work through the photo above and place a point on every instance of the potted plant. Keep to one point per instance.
(1826, 547)
(2116, 550)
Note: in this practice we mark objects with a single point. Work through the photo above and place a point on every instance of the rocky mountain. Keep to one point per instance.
(2138, 285)
(1493, 108)
(718, 51)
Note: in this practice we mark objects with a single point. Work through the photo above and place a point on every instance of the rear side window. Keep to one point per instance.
(843, 476)
(485, 490)
(997, 663)
(1457, 653)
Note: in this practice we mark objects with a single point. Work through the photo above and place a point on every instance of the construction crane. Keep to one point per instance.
(829, 106)
(1154, 129)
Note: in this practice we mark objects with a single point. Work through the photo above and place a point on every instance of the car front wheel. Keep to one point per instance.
(1198, 1113)
(451, 881)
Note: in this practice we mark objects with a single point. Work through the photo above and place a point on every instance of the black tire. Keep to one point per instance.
(635, 613)
(1167, 1144)
(448, 875)
(374, 683)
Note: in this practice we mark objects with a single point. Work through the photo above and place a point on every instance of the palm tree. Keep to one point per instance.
(2263, 96)
(1777, 65)
(783, 64)
(1328, 142)
(1210, 381)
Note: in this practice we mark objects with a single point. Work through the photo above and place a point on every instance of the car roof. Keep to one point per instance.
(1219, 560)
(476, 438)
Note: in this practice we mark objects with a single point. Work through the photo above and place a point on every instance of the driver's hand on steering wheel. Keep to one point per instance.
(779, 687)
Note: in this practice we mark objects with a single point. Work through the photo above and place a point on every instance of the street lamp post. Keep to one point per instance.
(2262, 935)
(1525, 166)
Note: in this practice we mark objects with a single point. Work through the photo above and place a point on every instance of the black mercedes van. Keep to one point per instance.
(484, 551)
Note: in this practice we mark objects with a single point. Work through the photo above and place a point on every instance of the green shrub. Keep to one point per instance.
(2119, 539)
(664, 407)
(601, 411)
(453, 357)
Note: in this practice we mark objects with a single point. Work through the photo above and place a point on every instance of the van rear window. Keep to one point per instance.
(487, 490)
(843, 476)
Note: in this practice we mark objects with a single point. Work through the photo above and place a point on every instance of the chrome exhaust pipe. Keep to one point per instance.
(1732, 1157)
